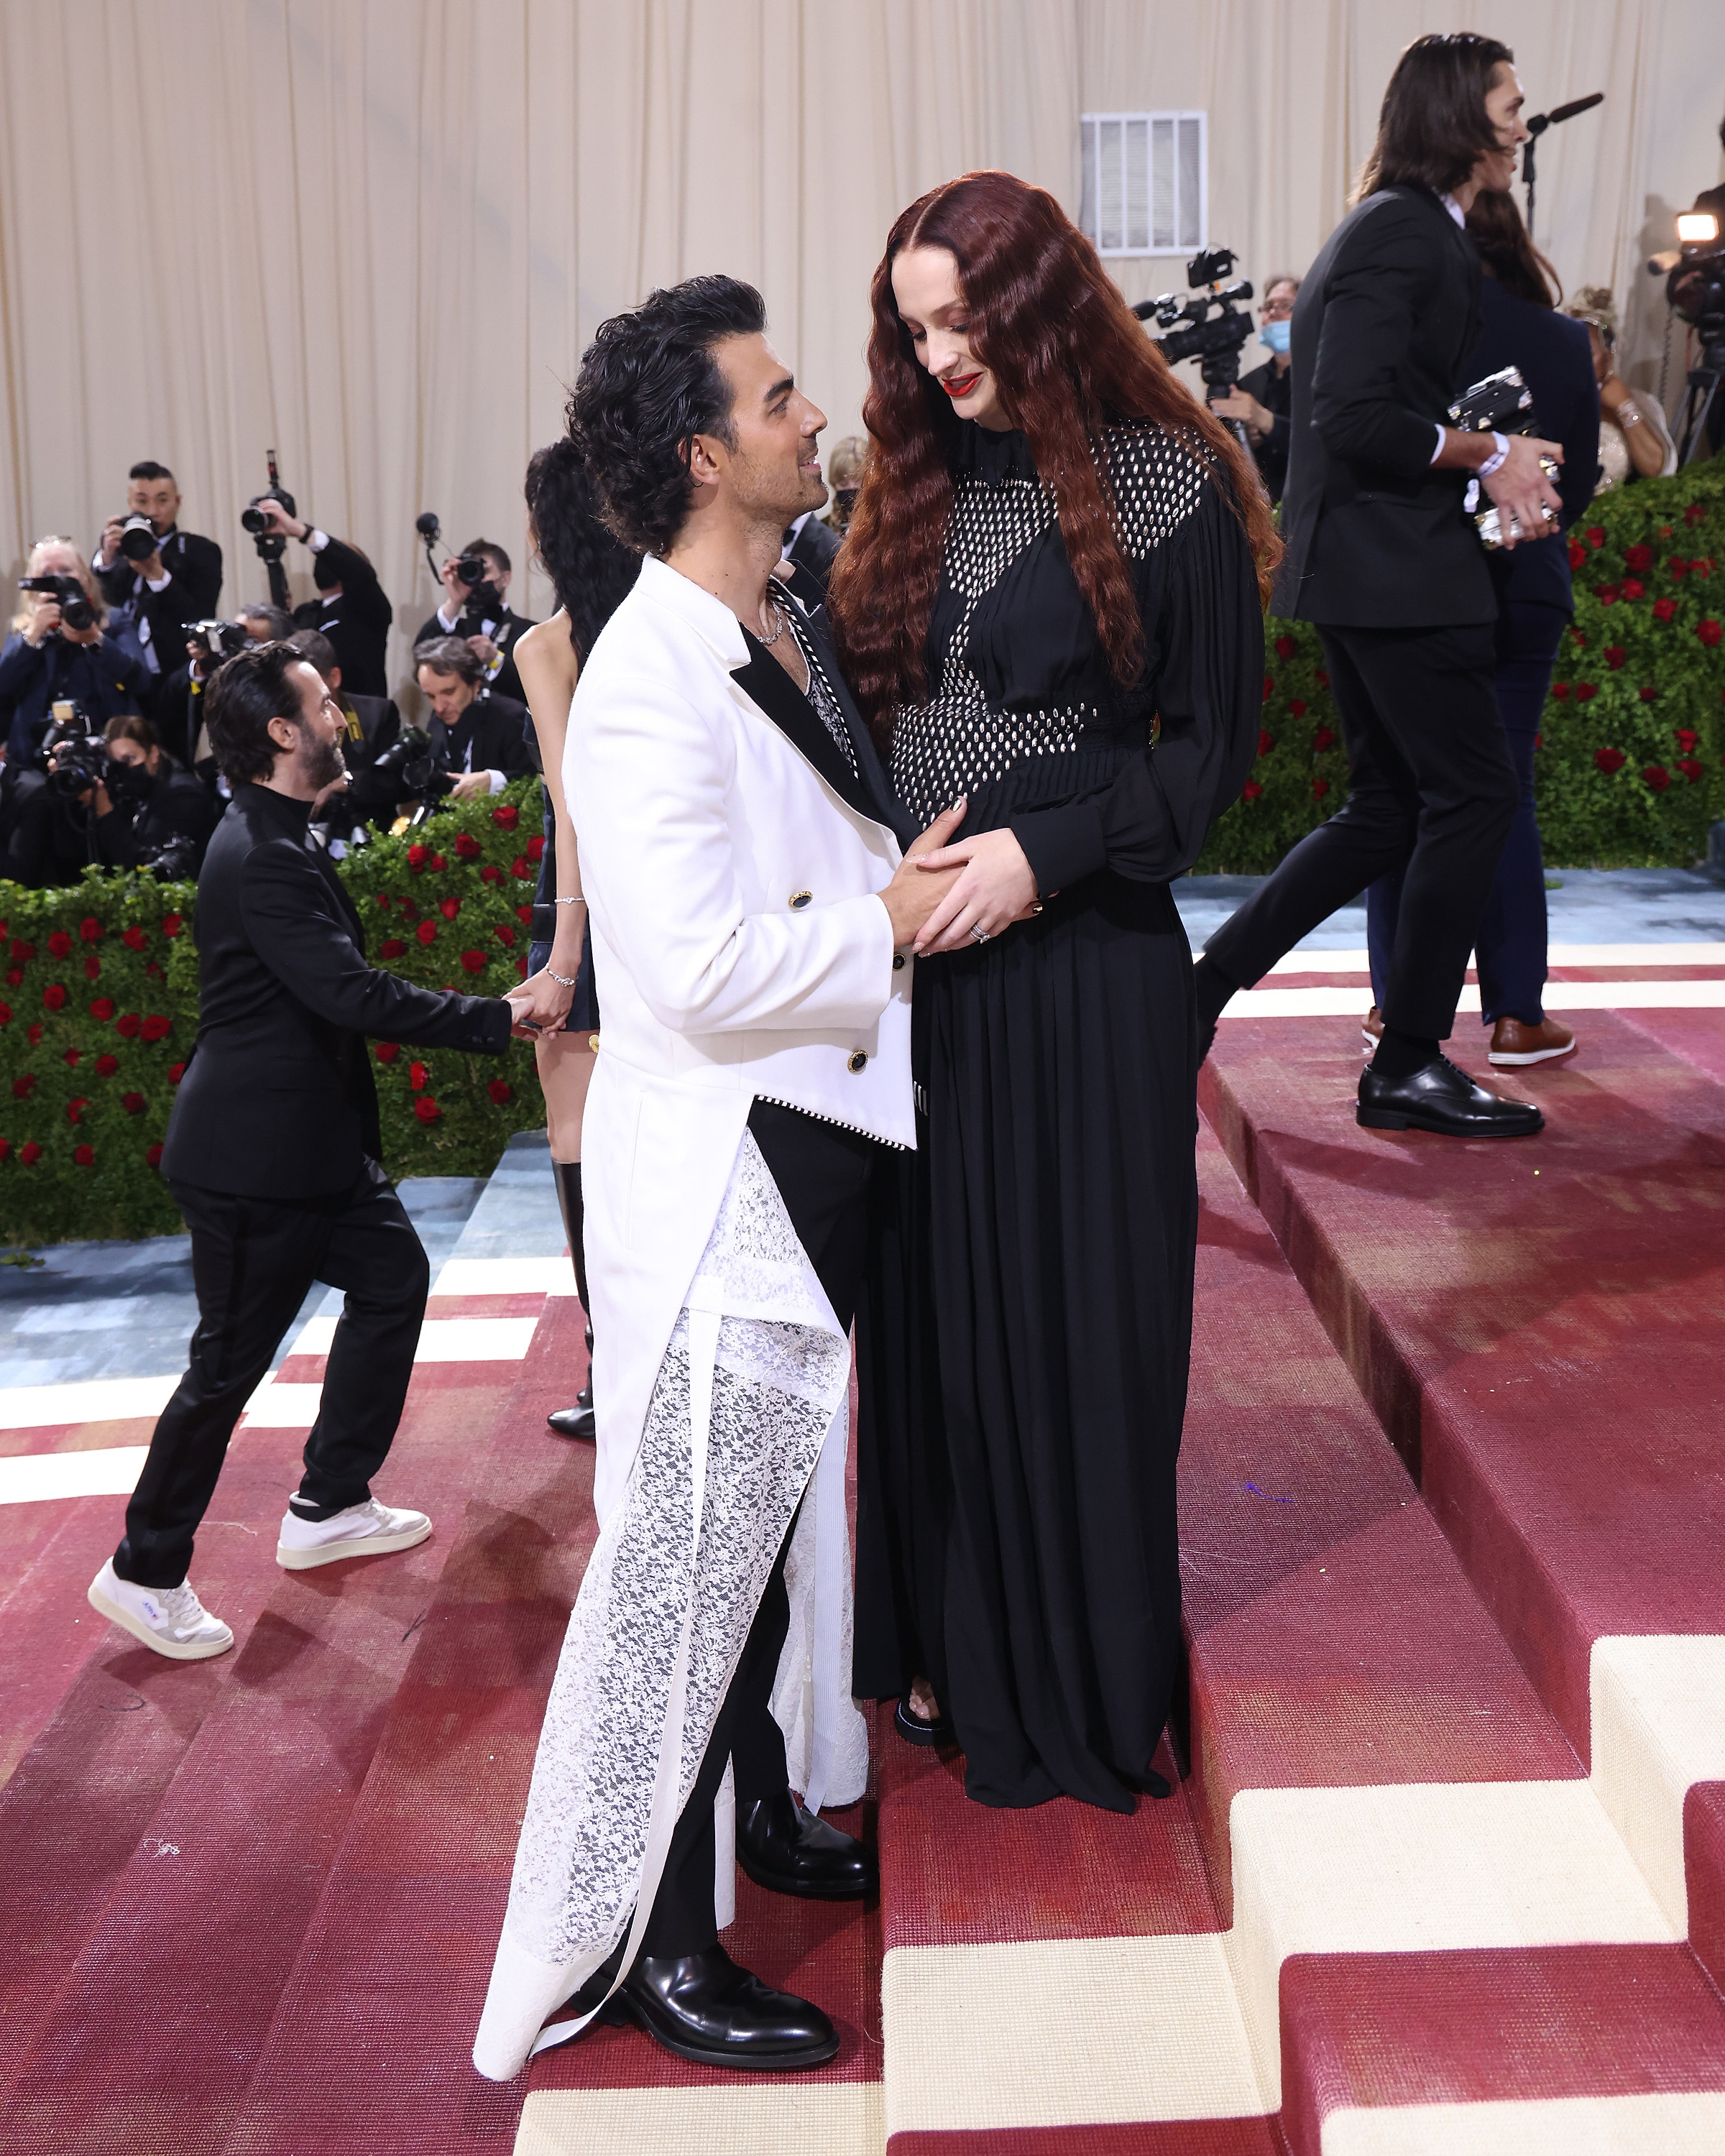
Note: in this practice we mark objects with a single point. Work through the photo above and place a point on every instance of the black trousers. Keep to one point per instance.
(1433, 793)
(253, 1261)
(822, 1171)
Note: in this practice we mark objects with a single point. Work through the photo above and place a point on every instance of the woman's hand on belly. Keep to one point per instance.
(995, 889)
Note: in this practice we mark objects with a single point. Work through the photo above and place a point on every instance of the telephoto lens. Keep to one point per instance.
(138, 538)
(472, 569)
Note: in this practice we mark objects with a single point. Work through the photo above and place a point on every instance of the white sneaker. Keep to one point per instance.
(171, 1620)
(367, 1530)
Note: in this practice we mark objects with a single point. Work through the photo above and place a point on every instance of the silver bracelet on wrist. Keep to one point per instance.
(1627, 415)
(562, 981)
(576, 901)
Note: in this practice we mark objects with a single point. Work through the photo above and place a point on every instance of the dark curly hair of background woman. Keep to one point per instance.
(590, 569)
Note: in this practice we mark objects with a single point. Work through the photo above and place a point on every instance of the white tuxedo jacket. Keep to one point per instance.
(730, 858)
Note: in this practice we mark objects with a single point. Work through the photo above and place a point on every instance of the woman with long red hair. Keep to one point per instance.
(1050, 605)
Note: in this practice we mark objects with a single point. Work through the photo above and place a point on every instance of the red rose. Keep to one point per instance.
(1638, 557)
(1691, 767)
(1677, 566)
(5, 1148)
(427, 932)
(1539, 741)
(53, 996)
(1609, 760)
(520, 967)
(386, 1051)
(170, 924)
(1585, 691)
(1269, 686)
(418, 1076)
(467, 847)
(157, 1028)
(505, 935)
(92, 967)
(5, 1013)
(84, 1156)
(1285, 647)
(535, 846)
(449, 908)
(1686, 738)
(134, 937)
(106, 1065)
(1663, 609)
(60, 944)
(1649, 693)
(1606, 594)
(1632, 590)
(1709, 632)
(91, 931)
(22, 951)
(426, 1109)
(393, 949)
(382, 899)
(524, 914)
(133, 1103)
(490, 873)
(175, 1071)
(1578, 553)
(22, 1088)
(74, 1108)
(1320, 787)
(1595, 536)
(519, 867)
(1560, 690)
(153, 971)
(1322, 679)
(1577, 640)
(500, 1091)
(418, 856)
(35, 1033)
(29, 1152)
(1703, 567)
(152, 1159)
(1657, 777)
(1297, 707)
(14, 978)
(1251, 790)
(1266, 741)
(72, 1057)
(129, 1026)
(473, 962)
(1614, 656)
(1323, 739)
(1694, 514)
(507, 817)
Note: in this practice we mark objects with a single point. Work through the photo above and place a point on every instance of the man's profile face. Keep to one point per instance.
(1495, 171)
(322, 726)
(448, 695)
(157, 499)
(774, 468)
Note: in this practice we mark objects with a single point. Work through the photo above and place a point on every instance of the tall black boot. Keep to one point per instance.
(578, 1420)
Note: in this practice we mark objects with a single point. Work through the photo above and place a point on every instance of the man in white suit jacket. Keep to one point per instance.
(753, 909)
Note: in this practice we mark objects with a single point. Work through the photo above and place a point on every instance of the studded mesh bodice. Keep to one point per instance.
(1018, 671)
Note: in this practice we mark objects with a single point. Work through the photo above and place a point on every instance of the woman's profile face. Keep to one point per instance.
(1602, 353)
(925, 284)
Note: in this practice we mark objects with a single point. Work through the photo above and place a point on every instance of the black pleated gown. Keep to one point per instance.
(1026, 1331)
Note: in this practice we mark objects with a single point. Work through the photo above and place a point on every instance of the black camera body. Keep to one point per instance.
(218, 641)
(1213, 340)
(412, 767)
(76, 611)
(252, 517)
(472, 569)
(175, 861)
(137, 539)
(73, 752)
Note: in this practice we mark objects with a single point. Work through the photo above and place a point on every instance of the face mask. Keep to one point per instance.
(1274, 335)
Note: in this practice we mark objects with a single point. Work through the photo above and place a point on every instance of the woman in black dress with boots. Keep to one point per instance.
(1050, 605)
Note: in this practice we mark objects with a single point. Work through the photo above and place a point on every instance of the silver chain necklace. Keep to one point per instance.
(768, 642)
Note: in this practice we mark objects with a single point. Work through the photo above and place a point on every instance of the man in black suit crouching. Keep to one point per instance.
(1383, 556)
(272, 1156)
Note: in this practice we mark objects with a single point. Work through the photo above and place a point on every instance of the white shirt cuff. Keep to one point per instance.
(1438, 450)
(161, 585)
(316, 540)
(498, 781)
(447, 622)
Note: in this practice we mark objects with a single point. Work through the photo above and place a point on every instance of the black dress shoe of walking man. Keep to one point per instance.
(1439, 1097)
(793, 1851)
(703, 2007)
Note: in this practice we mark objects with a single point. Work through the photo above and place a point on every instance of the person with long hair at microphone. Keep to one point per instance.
(1050, 606)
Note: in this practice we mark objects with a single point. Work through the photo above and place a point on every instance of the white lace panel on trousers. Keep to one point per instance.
(780, 1374)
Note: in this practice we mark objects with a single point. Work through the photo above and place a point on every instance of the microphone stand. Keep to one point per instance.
(1537, 126)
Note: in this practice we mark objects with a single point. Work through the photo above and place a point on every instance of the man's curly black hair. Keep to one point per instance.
(590, 568)
(648, 384)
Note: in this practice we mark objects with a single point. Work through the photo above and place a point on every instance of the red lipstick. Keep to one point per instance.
(961, 385)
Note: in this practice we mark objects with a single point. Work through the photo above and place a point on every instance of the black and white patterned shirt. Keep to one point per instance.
(821, 699)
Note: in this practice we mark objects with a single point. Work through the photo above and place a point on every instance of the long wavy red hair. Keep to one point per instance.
(1068, 356)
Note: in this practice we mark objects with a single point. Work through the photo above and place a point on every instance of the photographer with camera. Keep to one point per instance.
(350, 609)
(1383, 556)
(475, 609)
(59, 651)
(1263, 400)
(149, 812)
(154, 575)
(177, 711)
(273, 1158)
(373, 725)
(474, 734)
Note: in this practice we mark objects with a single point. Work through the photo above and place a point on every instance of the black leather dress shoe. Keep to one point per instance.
(1439, 1097)
(577, 1421)
(793, 1851)
(703, 2007)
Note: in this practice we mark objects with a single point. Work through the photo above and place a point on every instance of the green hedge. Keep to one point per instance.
(99, 1012)
(1629, 770)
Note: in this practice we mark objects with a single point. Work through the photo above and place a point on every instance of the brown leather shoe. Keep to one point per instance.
(1371, 1027)
(1513, 1043)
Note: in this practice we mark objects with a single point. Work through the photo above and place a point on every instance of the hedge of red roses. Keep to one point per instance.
(1630, 769)
(99, 1012)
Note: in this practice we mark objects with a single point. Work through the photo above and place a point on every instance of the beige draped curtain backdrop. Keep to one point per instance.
(375, 234)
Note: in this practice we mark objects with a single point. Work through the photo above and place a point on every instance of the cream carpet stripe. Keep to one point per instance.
(30, 1478)
(1559, 954)
(1663, 2125)
(87, 1399)
(1658, 1712)
(441, 1339)
(817, 2118)
(1559, 995)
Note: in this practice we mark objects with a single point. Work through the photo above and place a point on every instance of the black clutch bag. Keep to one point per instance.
(1501, 403)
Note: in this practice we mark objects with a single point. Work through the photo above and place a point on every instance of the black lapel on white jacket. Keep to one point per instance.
(766, 684)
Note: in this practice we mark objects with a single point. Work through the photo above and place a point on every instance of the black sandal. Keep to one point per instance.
(915, 1730)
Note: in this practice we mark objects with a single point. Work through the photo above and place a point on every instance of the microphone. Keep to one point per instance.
(1542, 120)
(427, 525)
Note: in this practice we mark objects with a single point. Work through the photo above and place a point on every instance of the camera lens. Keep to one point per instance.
(253, 519)
(137, 539)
